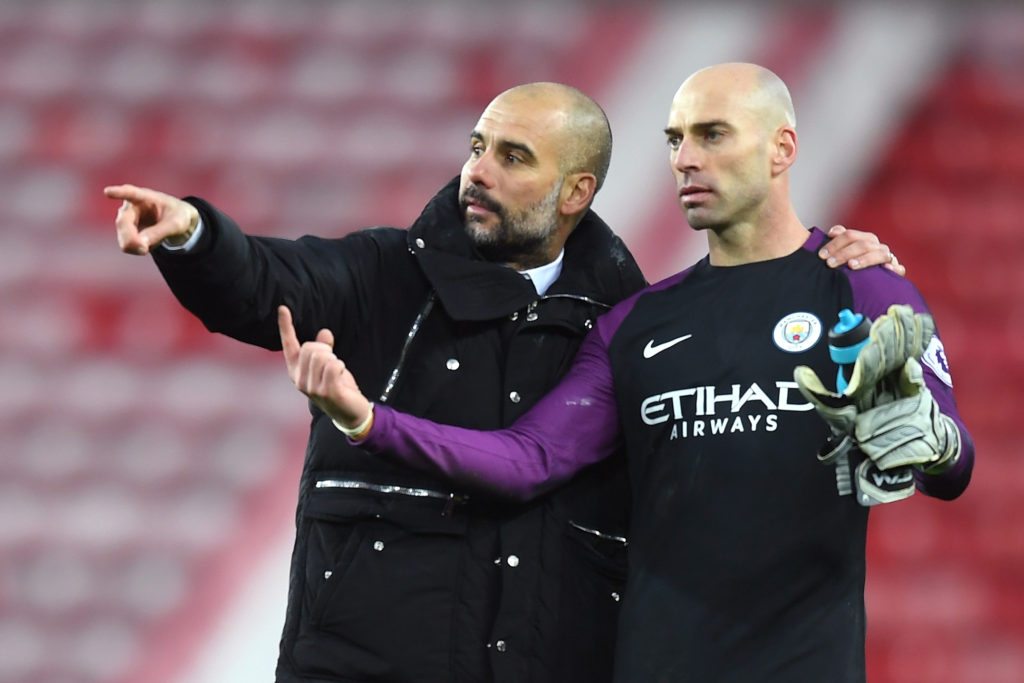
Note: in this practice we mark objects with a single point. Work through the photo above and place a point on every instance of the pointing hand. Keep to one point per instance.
(147, 218)
(320, 375)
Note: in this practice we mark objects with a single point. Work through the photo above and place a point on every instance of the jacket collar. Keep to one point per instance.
(472, 288)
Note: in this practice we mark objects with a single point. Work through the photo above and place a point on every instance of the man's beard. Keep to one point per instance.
(518, 237)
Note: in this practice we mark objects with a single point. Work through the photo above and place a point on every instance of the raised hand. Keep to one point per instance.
(896, 336)
(320, 375)
(858, 249)
(886, 410)
(148, 217)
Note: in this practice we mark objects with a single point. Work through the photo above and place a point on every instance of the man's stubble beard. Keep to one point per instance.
(518, 237)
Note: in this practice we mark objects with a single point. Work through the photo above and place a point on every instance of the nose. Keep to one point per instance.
(685, 157)
(479, 170)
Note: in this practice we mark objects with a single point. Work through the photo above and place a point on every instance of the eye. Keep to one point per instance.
(476, 149)
(674, 141)
(713, 135)
(513, 158)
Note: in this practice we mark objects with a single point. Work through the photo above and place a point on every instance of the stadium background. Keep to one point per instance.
(148, 469)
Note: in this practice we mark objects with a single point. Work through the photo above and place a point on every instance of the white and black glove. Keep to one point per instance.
(910, 430)
(894, 337)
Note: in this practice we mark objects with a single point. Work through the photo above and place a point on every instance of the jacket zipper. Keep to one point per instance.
(599, 534)
(450, 499)
(577, 297)
(393, 379)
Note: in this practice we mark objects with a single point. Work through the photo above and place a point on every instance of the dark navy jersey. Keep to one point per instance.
(746, 563)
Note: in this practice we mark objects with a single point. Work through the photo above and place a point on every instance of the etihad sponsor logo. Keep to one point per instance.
(797, 332)
(707, 400)
(709, 410)
(724, 425)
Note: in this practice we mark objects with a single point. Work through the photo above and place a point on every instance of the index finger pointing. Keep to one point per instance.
(131, 193)
(289, 340)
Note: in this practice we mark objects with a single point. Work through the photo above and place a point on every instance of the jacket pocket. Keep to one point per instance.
(605, 551)
(382, 566)
(593, 581)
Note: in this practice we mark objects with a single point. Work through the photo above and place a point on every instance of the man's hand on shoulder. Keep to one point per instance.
(858, 249)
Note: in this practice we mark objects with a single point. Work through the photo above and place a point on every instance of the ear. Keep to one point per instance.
(785, 149)
(577, 192)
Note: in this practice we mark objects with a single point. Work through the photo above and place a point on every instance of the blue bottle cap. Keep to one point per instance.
(847, 321)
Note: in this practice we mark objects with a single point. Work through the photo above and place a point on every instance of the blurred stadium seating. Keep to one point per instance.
(146, 465)
(946, 582)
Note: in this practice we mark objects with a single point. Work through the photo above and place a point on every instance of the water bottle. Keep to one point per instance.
(845, 340)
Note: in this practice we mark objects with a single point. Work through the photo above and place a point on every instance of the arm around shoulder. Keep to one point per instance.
(573, 426)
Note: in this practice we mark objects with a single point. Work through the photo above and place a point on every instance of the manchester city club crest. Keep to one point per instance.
(797, 332)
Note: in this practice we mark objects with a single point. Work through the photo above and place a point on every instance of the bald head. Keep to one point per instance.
(732, 140)
(581, 126)
(537, 155)
(750, 86)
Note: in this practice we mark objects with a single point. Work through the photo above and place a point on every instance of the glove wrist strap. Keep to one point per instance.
(951, 455)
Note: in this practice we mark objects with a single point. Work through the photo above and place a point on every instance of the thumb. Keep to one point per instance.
(837, 410)
(325, 336)
(289, 340)
(813, 389)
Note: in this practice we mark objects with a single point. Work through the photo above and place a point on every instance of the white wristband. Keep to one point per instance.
(355, 430)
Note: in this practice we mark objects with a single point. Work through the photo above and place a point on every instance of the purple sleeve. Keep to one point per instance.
(575, 425)
(874, 290)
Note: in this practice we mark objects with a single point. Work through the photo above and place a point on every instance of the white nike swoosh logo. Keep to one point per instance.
(650, 351)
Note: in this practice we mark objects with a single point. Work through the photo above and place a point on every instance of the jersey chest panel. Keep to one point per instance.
(713, 420)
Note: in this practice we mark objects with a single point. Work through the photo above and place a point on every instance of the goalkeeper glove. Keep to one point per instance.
(894, 337)
(910, 430)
